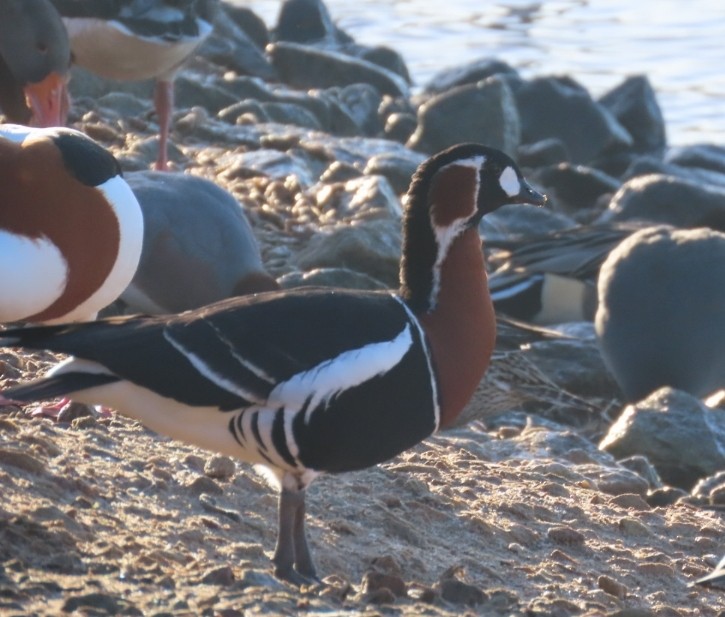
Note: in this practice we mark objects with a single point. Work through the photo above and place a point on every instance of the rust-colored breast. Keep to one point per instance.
(461, 330)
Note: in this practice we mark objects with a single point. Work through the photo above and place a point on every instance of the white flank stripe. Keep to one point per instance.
(289, 437)
(252, 368)
(424, 343)
(205, 370)
(349, 369)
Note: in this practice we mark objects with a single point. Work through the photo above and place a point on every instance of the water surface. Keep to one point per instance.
(679, 46)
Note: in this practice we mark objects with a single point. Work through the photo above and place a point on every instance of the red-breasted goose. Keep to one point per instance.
(309, 381)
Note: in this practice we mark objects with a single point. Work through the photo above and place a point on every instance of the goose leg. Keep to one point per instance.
(292, 559)
(303, 558)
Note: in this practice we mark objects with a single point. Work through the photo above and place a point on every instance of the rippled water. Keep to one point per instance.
(679, 45)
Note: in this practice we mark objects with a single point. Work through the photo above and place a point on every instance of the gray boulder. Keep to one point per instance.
(634, 104)
(702, 156)
(484, 112)
(302, 66)
(668, 200)
(372, 248)
(681, 437)
(469, 73)
(561, 108)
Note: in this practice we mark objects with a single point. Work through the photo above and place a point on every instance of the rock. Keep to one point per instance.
(665, 496)
(565, 535)
(361, 102)
(618, 481)
(710, 490)
(646, 165)
(634, 104)
(484, 112)
(191, 90)
(643, 468)
(372, 248)
(387, 58)
(523, 220)
(231, 47)
(363, 198)
(222, 575)
(107, 603)
(308, 67)
(270, 163)
(702, 156)
(400, 126)
(330, 277)
(576, 365)
(470, 73)
(304, 21)
(660, 320)
(220, 467)
(203, 484)
(397, 167)
(550, 151)
(22, 460)
(667, 200)
(251, 23)
(456, 591)
(374, 581)
(683, 439)
(561, 108)
(574, 187)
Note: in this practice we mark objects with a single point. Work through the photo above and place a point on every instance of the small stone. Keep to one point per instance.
(373, 582)
(202, 484)
(565, 535)
(457, 592)
(633, 527)
(630, 502)
(220, 467)
(612, 587)
(222, 575)
(21, 460)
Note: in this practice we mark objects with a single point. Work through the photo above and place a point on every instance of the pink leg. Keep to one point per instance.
(164, 103)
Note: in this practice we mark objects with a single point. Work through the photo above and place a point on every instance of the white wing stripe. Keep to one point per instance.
(347, 370)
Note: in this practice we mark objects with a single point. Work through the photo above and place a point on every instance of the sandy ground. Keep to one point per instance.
(101, 516)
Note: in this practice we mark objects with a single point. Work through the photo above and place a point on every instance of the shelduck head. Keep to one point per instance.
(449, 195)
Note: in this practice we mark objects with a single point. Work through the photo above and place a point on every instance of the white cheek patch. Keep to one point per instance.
(509, 182)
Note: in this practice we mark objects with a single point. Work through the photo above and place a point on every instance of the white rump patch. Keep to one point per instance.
(509, 182)
(347, 370)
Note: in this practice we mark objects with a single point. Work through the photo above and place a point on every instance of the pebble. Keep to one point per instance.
(566, 535)
(220, 467)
